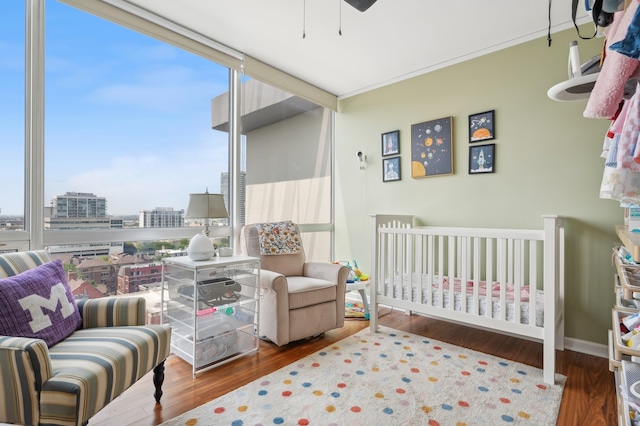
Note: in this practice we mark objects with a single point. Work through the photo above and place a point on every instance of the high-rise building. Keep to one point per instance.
(79, 204)
(161, 217)
(81, 211)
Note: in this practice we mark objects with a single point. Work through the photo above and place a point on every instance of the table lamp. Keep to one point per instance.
(204, 206)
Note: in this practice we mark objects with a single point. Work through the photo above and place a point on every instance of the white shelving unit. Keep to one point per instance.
(212, 307)
(623, 360)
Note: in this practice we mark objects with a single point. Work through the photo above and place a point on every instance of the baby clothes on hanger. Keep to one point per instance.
(628, 156)
(608, 90)
(621, 177)
(630, 44)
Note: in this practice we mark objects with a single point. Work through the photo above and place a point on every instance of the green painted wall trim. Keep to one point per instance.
(547, 162)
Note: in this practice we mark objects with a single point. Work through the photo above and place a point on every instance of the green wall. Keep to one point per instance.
(547, 162)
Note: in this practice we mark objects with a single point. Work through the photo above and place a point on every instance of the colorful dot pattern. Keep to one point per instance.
(389, 378)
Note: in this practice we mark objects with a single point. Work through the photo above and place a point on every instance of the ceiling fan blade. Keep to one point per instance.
(361, 5)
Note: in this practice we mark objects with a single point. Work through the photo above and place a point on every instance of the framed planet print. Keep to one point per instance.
(482, 126)
(391, 169)
(391, 143)
(482, 158)
(432, 148)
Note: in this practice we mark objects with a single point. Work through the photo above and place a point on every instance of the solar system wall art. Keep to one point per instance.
(432, 148)
(481, 126)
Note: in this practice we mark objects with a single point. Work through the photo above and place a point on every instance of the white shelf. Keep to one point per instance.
(622, 359)
(631, 241)
(212, 307)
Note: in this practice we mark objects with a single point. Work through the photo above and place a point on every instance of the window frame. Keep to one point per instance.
(34, 235)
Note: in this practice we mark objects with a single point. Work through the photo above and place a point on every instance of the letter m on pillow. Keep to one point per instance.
(38, 303)
(36, 306)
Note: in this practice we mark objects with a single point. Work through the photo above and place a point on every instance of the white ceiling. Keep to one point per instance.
(391, 41)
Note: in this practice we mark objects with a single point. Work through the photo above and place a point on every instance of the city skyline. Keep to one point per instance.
(126, 117)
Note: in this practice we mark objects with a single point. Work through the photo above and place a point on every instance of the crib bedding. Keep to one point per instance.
(433, 293)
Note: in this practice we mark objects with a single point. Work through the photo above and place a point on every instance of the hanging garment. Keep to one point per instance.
(620, 185)
(629, 137)
(609, 88)
(612, 138)
(630, 44)
(611, 150)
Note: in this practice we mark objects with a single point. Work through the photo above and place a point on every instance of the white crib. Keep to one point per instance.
(456, 274)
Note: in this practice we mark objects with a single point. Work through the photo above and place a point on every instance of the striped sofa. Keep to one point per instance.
(69, 382)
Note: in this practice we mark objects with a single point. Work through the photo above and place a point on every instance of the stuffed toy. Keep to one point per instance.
(617, 68)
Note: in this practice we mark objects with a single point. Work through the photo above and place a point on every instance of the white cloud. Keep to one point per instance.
(133, 183)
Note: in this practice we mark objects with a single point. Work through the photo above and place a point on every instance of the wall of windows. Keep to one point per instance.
(127, 118)
(129, 121)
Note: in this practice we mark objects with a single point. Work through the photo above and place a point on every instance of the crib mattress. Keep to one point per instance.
(402, 292)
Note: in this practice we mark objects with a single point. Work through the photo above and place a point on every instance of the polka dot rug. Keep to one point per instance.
(389, 378)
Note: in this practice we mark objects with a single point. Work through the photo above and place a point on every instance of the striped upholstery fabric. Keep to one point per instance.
(24, 367)
(112, 312)
(13, 263)
(26, 360)
(71, 381)
(93, 366)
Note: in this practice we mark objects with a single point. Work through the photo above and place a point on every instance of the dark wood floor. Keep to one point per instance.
(588, 399)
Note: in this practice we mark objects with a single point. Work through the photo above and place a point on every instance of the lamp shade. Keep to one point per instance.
(206, 206)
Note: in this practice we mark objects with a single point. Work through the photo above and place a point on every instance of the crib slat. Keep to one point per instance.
(464, 272)
(476, 275)
(393, 267)
(518, 272)
(440, 252)
(383, 276)
(419, 243)
(503, 256)
(407, 253)
(451, 246)
(490, 246)
(533, 281)
(431, 291)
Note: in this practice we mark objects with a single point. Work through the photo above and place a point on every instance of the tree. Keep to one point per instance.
(130, 248)
(161, 245)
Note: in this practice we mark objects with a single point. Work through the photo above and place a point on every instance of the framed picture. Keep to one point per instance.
(482, 126)
(391, 143)
(391, 169)
(432, 148)
(482, 159)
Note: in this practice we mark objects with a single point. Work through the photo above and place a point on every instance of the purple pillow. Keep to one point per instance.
(38, 303)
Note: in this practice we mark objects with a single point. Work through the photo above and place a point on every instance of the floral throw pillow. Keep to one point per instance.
(279, 238)
(38, 303)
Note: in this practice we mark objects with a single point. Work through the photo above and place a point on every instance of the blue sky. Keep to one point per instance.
(126, 117)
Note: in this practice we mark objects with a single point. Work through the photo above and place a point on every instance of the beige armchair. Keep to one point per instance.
(300, 299)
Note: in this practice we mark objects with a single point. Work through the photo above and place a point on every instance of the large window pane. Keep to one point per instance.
(128, 127)
(288, 161)
(12, 73)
